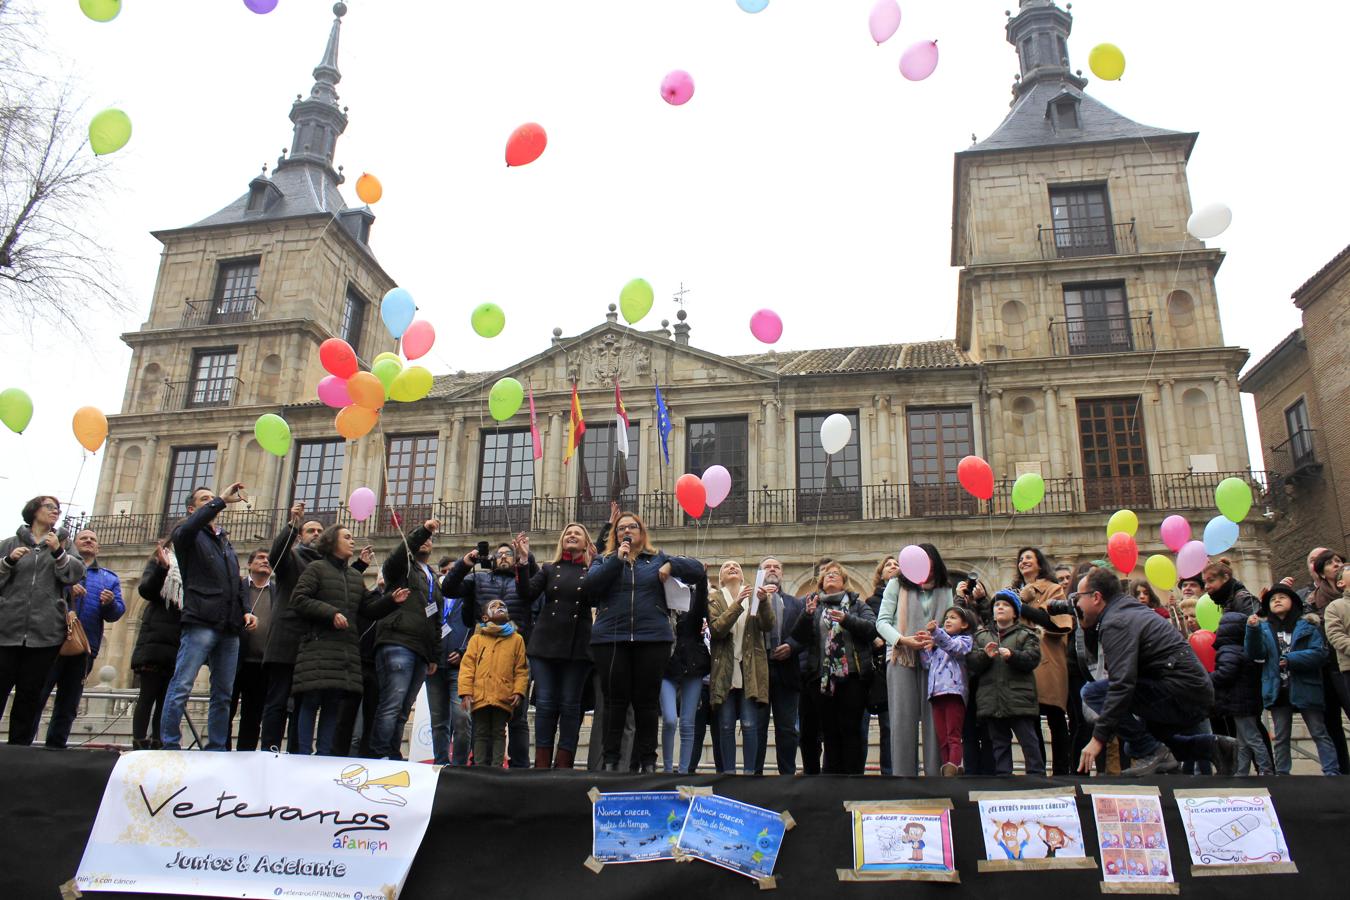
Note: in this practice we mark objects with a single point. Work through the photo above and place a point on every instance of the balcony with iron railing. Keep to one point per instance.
(1105, 334)
(759, 507)
(202, 393)
(221, 310)
(1062, 241)
(1297, 457)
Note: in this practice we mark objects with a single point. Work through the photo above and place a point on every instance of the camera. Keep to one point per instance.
(484, 555)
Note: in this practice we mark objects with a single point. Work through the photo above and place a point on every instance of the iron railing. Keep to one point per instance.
(1104, 334)
(1073, 241)
(1298, 455)
(202, 393)
(222, 311)
(762, 506)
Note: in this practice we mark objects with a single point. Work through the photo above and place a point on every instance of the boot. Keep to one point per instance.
(543, 757)
(609, 767)
(141, 744)
(564, 759)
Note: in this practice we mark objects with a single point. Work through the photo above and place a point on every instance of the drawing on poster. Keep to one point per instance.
(901, 841)
(1133, 839)
(1237, 831)
(636, 826)
(1031, 830)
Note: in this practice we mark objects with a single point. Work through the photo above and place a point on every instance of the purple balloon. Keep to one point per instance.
(361, 503)
(717, 484)
(884, 20)
(915, 564)
(1191, 559)
(919, 60)
(677, 87)
(261, 7)
(1176, 532)
(333, 392)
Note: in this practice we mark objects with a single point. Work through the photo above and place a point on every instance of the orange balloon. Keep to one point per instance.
(90, 427)
(525, 144)
(368, 188)
(355, 421)
(366, 390)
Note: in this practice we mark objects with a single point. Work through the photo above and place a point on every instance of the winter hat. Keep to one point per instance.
(1296, 602)
(1008, 595)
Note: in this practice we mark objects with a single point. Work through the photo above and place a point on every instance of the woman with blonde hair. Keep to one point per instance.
(559, 649)
(632, 636)
(739, 685)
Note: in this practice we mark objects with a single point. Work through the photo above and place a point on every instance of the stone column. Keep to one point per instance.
(553, 455)
(442, 456)
(149, 462)
(230, 466)
(107, 481)
(997, 451)
(454, 487)
(1226, 426)
(1237, 438)
(1174, 453)
(769, 454)
(1058, 469)
(900, 424)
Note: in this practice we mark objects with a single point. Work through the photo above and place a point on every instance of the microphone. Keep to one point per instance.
(627, 540)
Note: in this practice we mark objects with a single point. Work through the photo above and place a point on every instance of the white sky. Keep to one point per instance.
(806, 174)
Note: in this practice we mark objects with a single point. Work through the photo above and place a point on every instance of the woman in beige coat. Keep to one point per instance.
(739, 683)
(1037, 589)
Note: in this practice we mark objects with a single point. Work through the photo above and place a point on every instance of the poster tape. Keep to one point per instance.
(1140, 790)
(593, 864)
(856, 876)
(69, 891)
(1280, 868)
(1143, 887)
(1027, 865)
(789, 823)
(896, 805)
(689, 791)
(594, 794)
(977, 796)
(767, 883)
(1222, 792)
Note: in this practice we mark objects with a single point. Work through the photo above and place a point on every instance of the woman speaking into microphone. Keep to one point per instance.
(632, 636)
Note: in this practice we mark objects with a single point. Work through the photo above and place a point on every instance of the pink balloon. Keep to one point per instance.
(919, 60)
(677, 87)
(766, 326)
(884, 20)
(1191, 559)
(1176, 531)
(362, 503)
(717, 484)
(915, 564)
(333, 392)
(417, 340)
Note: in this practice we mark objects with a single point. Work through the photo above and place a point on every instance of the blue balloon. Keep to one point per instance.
(1220, 534)
(752, 6)
(397, 309)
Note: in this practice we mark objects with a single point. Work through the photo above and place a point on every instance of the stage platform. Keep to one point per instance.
(527, 834)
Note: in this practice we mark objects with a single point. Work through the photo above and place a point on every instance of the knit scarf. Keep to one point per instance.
(172, 591)
(834, 665)
(492, 628)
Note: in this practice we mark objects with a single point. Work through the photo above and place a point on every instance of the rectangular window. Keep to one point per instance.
(1082, 219)
(1097, 319)
(236, 291)
(505, 481)
(1115, 465)
(829, 488)
(189, 467)
(213, 377)
(411, 487)
(601, 480)
(1301, 451)
(353, 317)
(722, 442)
(318, 475)
(938, 440)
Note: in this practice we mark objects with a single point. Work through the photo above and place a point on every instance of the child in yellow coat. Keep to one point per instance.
(493, 678)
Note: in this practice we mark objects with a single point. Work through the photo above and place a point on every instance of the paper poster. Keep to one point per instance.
(636, 827)
(1135, 855)
(1031, 830)
(733, 835)
(1232, 832)
(678, 595)
(901, 840)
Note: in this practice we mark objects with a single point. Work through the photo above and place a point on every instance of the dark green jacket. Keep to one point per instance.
(1007, 687)
(330, 658)
(410, 625)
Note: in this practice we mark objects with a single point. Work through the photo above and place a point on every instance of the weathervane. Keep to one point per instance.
(679, 295)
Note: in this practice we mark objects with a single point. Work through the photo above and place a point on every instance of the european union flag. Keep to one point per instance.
(663, 423)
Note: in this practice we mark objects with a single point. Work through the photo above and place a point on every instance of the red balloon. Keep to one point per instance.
(338, 357)
(525, 144)
(1123, 552)
(1202, 642)
(976, 477)
(692, 495)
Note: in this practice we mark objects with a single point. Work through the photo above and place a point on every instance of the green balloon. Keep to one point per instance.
(488, 320)
(101, 10)
(1233, 497)
(1207, 613)
(1028, 491)
(387, 370)
(273, 434)
(635, 300)
(413, 383)
(505, 398)
(16, 409)
(109, 131)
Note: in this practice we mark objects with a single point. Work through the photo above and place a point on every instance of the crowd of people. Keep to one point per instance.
(304, 656)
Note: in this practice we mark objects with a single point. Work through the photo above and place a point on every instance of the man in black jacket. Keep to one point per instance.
(292, 550)
(1156, 696)
(215, 610)
(785, 672)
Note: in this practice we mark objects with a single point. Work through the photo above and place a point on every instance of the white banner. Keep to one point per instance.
(258, 825)
(420, 748)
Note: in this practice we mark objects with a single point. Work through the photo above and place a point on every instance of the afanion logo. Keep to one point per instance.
(376, 790)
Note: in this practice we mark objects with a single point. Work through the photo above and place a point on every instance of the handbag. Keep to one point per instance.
(77, 642)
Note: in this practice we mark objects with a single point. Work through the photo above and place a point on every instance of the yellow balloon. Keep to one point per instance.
(412, 384)
(1122, 520)
(1161, 572)
(90, 427)
(1107, 62)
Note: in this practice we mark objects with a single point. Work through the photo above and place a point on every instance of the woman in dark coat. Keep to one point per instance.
(156, 650)
(682, 684)
(559, 649)
(331, 597)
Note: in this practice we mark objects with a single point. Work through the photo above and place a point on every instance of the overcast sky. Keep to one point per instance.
(806, 175)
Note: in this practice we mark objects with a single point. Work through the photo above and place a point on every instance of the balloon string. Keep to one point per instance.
(84, 457)
(384, 465)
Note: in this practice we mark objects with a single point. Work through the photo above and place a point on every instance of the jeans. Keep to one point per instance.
(738, 706)
(450, 729)
(558, 687)
(250, 691)
(1250, 745)
(67, 677)
(489, 731)
(1165, 719)
(154, 684)
(518, 736)
(679, 708)
(783, 703)
(630, 675)
(325, 705)
(276, 699)
(218, 651)
(1027, 729)
(703, 719)
(401, 672)
(1283, 719)
(23, 670)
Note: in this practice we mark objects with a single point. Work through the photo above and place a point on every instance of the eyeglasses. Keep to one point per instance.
(52, 506)
(631, 526)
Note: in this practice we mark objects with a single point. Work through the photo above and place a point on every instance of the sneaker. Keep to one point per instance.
(1160, 762)
(950, 769)
(1224, 755)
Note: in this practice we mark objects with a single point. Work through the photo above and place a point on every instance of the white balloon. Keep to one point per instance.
(1209, 221)
(835, 432)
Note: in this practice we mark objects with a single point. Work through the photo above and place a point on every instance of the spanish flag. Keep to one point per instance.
(576, 426)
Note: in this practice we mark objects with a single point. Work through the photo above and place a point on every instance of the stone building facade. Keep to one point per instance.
(1088, 349)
